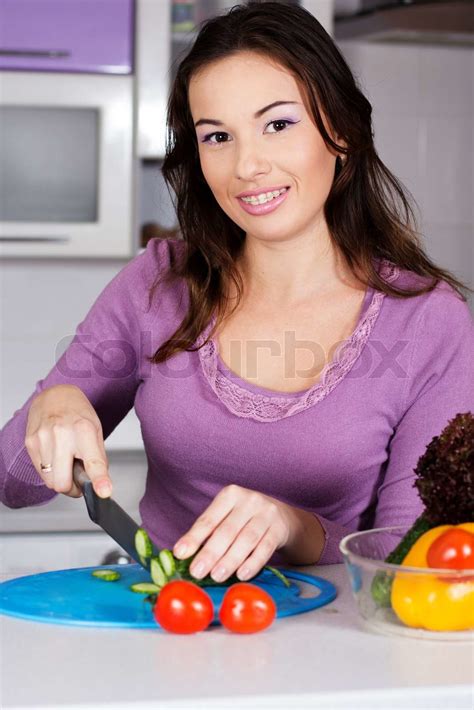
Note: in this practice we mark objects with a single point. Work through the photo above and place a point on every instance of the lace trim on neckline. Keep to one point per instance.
(264, 408)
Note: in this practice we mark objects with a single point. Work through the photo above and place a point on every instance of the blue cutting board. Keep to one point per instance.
(74, 597)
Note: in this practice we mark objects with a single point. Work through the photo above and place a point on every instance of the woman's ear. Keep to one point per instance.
(341, 157)
(333, 135)
(343, 145)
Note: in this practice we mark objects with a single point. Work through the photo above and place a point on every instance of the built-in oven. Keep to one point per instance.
(66, 128)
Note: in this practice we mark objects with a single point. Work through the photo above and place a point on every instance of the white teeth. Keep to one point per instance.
(263, 197)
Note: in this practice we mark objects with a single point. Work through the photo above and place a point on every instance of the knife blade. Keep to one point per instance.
(108, 515)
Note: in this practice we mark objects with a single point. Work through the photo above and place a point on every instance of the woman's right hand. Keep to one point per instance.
(63, 425)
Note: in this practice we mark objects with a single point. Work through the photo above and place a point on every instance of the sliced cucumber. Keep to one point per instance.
(143, 561)
(108, 575)
(144, 588)
(168, 563)
(157, 572)
(143, 544)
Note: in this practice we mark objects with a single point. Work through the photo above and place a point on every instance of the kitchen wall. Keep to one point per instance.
(42, 301)
(424, 126)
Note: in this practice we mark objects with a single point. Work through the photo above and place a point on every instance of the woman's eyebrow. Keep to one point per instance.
(257, 114)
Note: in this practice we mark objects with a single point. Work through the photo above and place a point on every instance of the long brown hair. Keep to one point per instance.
(368, 211)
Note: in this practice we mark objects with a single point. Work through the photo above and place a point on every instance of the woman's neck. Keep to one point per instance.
(292, 272)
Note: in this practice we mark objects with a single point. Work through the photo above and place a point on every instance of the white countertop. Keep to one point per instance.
(321, 659)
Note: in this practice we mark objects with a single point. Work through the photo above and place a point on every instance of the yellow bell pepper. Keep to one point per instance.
(430, 602)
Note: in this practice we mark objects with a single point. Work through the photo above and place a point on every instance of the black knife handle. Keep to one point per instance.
(82, 480)
(79, 473)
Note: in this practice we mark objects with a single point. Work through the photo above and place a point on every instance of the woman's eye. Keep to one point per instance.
(221, 137)
(207, 138)
(279, 122)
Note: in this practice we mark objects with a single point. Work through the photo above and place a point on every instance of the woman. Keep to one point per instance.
(290, 359)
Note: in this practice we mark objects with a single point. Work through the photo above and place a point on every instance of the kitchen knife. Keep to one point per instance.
(106, 513)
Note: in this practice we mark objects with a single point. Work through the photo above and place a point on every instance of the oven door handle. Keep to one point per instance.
(34, 240)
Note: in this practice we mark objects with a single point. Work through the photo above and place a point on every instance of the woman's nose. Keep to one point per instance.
(251, 162)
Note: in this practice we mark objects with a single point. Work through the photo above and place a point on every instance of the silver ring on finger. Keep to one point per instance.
(46, 467)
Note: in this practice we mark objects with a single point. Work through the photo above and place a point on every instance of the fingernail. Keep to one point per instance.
(219, 574)
(181, 550)
(244, 574)
(197, 570)
(105, 490)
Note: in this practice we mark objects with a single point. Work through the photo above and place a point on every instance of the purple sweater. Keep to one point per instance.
(345, 449)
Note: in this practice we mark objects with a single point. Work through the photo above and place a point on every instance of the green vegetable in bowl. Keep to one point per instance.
(445, 483)
(382, 582)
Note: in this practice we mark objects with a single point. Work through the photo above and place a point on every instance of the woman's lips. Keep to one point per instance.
(266, 207)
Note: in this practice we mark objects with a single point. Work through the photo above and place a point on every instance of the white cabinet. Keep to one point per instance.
(152, 61)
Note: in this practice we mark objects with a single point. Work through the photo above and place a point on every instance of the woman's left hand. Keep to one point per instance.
(242, 529)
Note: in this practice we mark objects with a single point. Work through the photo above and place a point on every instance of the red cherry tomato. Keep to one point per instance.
(246, 608)
(183, 608)
(453, 549)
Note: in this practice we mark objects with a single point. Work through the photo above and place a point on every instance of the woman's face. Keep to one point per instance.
(243, 148)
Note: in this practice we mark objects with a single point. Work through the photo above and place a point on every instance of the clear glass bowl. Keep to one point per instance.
(364, 554)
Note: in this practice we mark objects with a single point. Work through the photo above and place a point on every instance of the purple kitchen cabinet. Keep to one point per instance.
(92, 36)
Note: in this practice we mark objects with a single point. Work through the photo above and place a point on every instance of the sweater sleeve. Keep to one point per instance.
(439, 386)
(102, 360)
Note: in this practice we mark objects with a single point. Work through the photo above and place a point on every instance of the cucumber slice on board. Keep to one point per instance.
(157, 572)
(167, 562)
(107, 575)
(143, 544)
(144, 588)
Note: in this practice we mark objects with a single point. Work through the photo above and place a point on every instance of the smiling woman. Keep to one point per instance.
(289, 359)
(289, 115)
(256, 153)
